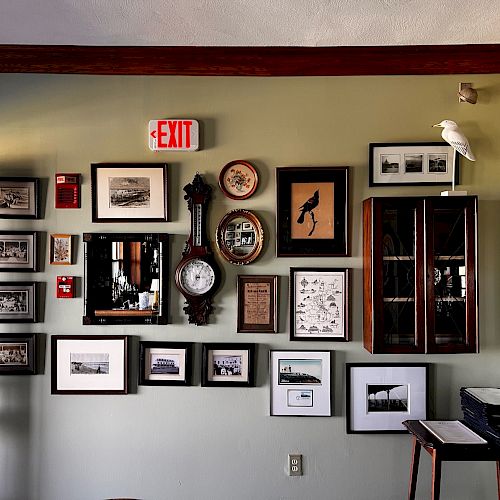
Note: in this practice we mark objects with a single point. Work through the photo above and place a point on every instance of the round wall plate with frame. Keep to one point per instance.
(238, 180)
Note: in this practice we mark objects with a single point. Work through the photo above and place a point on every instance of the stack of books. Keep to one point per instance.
(481, 407)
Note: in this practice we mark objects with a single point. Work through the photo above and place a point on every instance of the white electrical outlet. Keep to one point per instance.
(294, 465)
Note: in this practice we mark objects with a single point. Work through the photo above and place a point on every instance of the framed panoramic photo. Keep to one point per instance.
(89, 364)
(380, 396)
(417, 163)
(238, 180)
(18, 251)
(61, 249)
(18, 302)
(228, 365)
(129, 192)
(319, 299)
(17, 354)
(165, 363)
(19, 198)
(312, 211)
(300, 383)
(257, 304)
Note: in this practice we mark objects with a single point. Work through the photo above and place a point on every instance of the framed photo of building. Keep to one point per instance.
(412, 163)
(319, 299)
(380, 396)
(300, 383)
(129, 192)
(19, 251)
(17, 354)
(312, 211)
(165, 363)
(18, 302)
(228, 365)
(89, 364)
(19, 198)
(61, 249)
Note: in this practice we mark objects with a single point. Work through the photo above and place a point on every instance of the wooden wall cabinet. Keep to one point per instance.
(420, 275)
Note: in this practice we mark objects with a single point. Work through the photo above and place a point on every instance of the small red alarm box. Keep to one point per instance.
(67, 191)
(65, 287)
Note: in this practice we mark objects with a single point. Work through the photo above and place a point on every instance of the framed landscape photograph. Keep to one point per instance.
(380, 396)
(129, 192)
(300, 383)
(312, 211)
(228, 365)
(17, 354)
(257, 304)
(417, 163)
(319, 299)
(61, 249)
(18, 251)
(89, 364)
(165, 363)
(19, 198)
(18, 302)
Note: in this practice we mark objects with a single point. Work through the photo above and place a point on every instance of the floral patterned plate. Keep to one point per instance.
(238, 180)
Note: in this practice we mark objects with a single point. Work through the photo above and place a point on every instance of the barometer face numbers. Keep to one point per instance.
(196, 226)
(197, 277)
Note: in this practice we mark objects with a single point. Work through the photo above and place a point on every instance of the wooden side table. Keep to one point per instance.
(440, 452)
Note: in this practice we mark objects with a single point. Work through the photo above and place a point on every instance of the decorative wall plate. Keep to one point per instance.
(238, 180)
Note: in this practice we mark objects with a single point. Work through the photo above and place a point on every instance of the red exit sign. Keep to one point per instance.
(174, 135)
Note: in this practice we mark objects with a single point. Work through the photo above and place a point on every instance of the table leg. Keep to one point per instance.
(498, 478)
(436, 476)
(415, 458)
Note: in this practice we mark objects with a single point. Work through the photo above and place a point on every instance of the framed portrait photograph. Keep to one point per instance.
(228, 365)
(61, 249)
(257, 304)
(165, 363)
(319, 298)
(19, 251)
(312, 211)
(417, 163)
(300, 383)
(89, 364)
(17, 354)
(380, 396)
(129, 192)
(238, 180)
(19, 198)
(18, 302)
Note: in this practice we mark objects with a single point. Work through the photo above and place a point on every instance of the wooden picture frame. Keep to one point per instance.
(19, 251)
(257, 304)
(89, 364)
(18, 353)
(129, 192)
(61, 249)
(238, 180)
(19, 198)
(18, 302)
(312, 211)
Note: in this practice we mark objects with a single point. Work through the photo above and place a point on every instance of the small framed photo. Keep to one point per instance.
(165, 363)
(380, 396)
(19, 198)
(17, 354)
(300, 383)
(412, 163)
(61, 249)
(18, 302)
(312, 211)
(89, 364)
(238, 180)
(319, 300)
(228, 365)
(257, 304)
(18, 251)
(129, 192)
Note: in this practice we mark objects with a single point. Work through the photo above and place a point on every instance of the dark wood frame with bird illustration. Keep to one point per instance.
(320, 230)
(412, 164)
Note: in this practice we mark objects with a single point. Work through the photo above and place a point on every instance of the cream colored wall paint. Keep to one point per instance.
(192, 443)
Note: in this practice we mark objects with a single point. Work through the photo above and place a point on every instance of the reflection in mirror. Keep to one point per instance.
(239, 236)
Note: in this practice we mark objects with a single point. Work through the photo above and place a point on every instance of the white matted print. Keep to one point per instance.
(227, 366)
(165, 364)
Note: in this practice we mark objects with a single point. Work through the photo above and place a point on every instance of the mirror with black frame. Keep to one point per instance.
(125, 278)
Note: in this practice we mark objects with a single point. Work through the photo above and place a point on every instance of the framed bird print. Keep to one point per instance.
(312, 211)
(412, 163)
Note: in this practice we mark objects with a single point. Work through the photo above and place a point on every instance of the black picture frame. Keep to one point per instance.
(18, 354)
(295, 193)
(18, 302)
(20, 257)
(20, 198)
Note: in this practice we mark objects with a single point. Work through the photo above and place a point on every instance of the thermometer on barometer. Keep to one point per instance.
(197, 224)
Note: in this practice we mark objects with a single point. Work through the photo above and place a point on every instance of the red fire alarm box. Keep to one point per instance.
(65, 287)
(67, 190)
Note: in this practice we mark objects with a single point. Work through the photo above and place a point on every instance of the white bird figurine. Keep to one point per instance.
(455, 138)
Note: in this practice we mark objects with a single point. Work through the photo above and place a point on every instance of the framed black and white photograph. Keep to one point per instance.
(380, 396)
(129, 192)
(165, 363)
(19, 198)
(17, 354)
(61, 249)
(319, 303)
(18, 302)
(89, 364)
(18, 251)
(300, 383)
(417, 163)
(228, 365)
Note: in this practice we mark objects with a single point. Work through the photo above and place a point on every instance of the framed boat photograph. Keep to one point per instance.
(19, 251)
(61, 249)
(18, 302)
(19, 198)
(18, 354)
